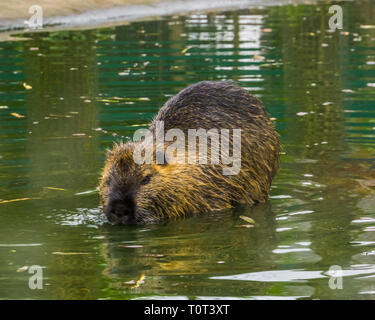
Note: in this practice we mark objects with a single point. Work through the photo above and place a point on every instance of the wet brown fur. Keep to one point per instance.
(175, 190)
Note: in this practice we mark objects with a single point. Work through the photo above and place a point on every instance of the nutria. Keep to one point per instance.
(145, 193)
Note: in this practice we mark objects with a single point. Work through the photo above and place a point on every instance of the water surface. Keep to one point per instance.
(66, 96)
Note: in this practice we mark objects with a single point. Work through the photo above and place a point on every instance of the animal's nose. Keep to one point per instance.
(121, 211)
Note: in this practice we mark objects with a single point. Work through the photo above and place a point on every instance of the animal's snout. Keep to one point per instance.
(121, 210)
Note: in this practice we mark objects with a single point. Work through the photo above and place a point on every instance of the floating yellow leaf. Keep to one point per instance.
(68, 253)
(119, 98)
(247, 219)
(17, 115)
(130, 246)
(27, 86)
(60, 115)
(24, 268)
(245, 226)
(16, 200)
(185, 50)
(154, 255)
(107, 100)
(139, 281)
(53, 188)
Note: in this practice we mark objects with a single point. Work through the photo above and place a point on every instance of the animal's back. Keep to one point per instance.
(211, 104)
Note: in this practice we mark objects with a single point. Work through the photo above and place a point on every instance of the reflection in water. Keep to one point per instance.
(184, 250)
(90, 88)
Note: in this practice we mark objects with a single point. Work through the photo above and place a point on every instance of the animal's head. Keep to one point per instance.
(122, 181)
(145, 193)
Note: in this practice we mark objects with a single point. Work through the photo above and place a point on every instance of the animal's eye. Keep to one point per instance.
(146, 179)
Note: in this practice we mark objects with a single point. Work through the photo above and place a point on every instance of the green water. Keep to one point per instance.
(92, 87)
